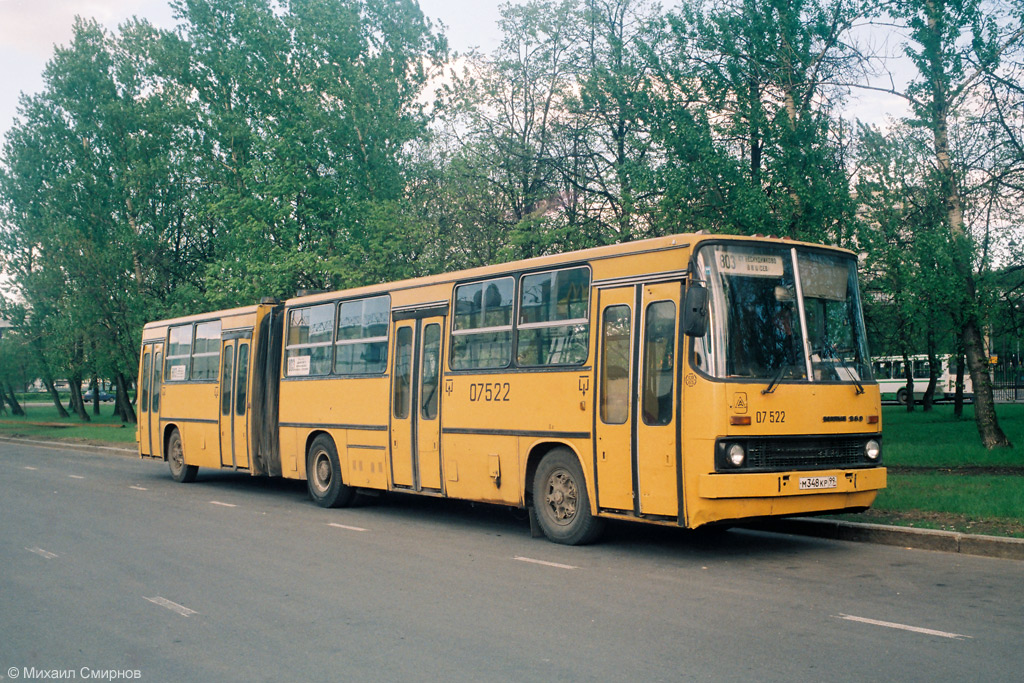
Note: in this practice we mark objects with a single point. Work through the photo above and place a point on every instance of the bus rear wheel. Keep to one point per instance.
(901, 397)
(180, 472)
(560, 500)
(323, 475)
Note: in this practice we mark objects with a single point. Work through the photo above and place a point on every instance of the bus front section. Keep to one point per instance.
(782, 414)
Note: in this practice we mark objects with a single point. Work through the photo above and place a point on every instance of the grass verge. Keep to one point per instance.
(940, 477)
(41, 421)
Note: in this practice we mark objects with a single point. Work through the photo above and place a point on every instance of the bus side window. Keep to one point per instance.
(403, 373)
(158, 368)
(146, 377)
(659, 362)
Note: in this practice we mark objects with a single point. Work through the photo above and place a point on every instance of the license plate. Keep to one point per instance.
(817, 483)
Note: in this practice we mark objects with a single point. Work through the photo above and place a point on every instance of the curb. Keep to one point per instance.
(907, 537)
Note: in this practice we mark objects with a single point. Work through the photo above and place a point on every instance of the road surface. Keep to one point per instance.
(109, 567)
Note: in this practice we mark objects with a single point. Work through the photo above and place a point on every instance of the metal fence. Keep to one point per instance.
(1008, 382)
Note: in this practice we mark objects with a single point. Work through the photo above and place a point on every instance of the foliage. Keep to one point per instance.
(264, 147)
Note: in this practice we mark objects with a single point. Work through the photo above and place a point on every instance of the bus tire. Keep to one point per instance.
(323, 475)
(560, 500)
(180, 472)
(901, 396)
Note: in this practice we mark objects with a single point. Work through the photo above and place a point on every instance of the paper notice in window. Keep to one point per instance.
(298, 365)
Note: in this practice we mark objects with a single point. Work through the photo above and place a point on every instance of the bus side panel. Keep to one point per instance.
(352, 410)
(483, 416)
(190, 406)
(482, 467)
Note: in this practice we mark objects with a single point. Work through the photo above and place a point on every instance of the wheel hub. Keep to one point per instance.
(562, 496)
(322, 472)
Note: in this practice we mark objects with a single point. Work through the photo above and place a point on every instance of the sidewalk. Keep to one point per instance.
(907, 537)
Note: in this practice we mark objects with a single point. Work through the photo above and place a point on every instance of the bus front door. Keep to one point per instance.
(149, 400)
(415, 404)
(234, 395)
(636, 449)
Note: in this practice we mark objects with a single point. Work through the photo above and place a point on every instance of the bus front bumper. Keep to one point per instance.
(804, 483)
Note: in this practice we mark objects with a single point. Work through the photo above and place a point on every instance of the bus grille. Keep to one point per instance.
(804, 454)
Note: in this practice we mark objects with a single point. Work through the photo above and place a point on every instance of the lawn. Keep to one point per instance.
(940, 477)
(41, 420)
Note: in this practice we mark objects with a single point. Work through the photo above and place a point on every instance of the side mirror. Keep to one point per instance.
(695, 310)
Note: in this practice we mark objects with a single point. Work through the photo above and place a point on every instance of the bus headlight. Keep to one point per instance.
(873, 450)
(735, 455)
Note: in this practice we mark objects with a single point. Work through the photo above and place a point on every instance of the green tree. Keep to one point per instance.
(957, 47)
(758, 125)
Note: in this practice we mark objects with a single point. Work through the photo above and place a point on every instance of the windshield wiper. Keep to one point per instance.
(849, 368)
(770, 389)
(830, 351)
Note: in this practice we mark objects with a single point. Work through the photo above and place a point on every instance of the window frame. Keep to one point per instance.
(385, 339)
(215, 376)
(189, 374)
(491, 329)
(513, 363)
(169, 359)
(550, 324)
(310, 345)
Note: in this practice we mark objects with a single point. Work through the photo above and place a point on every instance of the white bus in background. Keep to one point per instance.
(892, 380)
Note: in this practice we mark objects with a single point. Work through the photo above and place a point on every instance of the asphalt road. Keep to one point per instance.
(107, 565)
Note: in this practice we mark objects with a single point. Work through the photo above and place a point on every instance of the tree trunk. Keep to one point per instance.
(16, 408)
(908, 372)
(933, 380)
(77, 404)
(94, 384)
(55, 396)
(958, 397)
(127, 412)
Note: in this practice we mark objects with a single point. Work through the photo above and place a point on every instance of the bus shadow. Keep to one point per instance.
(710, 542)
(453, 515)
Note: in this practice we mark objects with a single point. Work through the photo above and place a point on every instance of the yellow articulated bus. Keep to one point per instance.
(686, 380)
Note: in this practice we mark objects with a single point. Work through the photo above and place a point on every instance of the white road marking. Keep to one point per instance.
(544, 562)
(904, 627)
(345, 526)
(139, 488)
(45, 553)
(173, 606)
(31, 468)
(226, 505)
(76, 476)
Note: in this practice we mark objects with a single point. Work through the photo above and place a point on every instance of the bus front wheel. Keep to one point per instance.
(323, 475)
(560, 500)
(180, 472)
(901, 397)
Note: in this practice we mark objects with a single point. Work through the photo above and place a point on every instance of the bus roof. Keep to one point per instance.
(669, 242)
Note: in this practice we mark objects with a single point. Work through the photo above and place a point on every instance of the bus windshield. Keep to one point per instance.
(782, 314)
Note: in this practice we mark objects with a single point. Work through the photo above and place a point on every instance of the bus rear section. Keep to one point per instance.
(205, 399)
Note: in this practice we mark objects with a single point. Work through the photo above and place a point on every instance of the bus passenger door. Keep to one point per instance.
(657, 434)
(234, 394)
(613, 443)
(149, 400)
(636, 436)
(415, 404)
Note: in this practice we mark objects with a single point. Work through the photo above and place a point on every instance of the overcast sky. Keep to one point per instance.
(29, 29)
